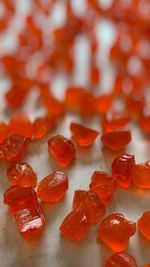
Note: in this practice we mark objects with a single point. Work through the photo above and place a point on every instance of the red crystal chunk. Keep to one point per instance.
(12, 148)
(62, 149)
(116, 140)
(75, 225)
(42, 126)
(3, 131)
(104, 185)
(121, 167)
(122, 259)
(21, 173)
(84, 136)
(141, 175)
(20, 125)
(144, 225)
(91, 203)
(115, 232)
(53, 187)
(24, 206)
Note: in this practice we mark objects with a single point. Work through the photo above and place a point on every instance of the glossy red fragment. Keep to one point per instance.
(116, 140)
(62, 150)
(3, 131)
(122, 259)
(24, 206)
(84, 136)
(121, 169)
(141, 175)
(104, 185)
(20, 125)
(42, 126)
(103, 103)
(21, 173)
(114, 121)
(144, 123)
(115, 231)
(73, 97)
(75, 225)
(13, 148)
(53, 187)
(91, 203)
(144, 225)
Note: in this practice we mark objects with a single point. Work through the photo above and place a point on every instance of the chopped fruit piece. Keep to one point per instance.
(53, 187)
(116, 140)
(121, 167)
(122, 259)
(75, 225)
(12, 148)
(24, 206)
(21, 173)
(62, 149)
(115, 232)
(20, 125)
(141, 175)
(104, 185)
(42, 126)
(83, 136)
(90, 202)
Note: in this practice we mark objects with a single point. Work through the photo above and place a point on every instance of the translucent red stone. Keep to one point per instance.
(20, 125)
(90, 202)
(114, 121)
(62, 150)
(144, 123)
(13, 148)
(53, 187)
(144, 225)
(121, 167)
(73, 97)
(122, 259)
(42, 126)
(116, 140)
(141, 175)
(115, 232)
(24, 206)
(75, 225)
(21, 173)
(84, 136)
(103, 103)
(3, 131)
(104, 185)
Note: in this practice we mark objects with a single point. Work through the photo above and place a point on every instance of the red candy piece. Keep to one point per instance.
(62, 149)
(42, 126)
(122, 259)
(121, 167)
(141, 175)
(116, 140)
(53, 187)
(84, 136)
(24, 206)
(12, 148)
(90, 202)
(115, 232)
(3, 131)
(104, 185)
(21, 173)
(144, 225)
(20, 125)
(75, 225)
(114, 121)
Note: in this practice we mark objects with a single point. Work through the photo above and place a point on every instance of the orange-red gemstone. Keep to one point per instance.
(3, 131)
(115, 232)
(144, 225)
(91, 203)
(116, 140)
(84, 136)
(53, 187)
(104, 185)
(75, 225)
(122, 259)
(114, 121)
(21, 173)
(62, 150)
(12, 148)
(24, 206)
(141, 175)
(20, 125)
(103, 103)
(121, 167)
(42, 126)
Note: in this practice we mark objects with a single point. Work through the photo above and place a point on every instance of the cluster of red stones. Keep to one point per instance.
(132, 22)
